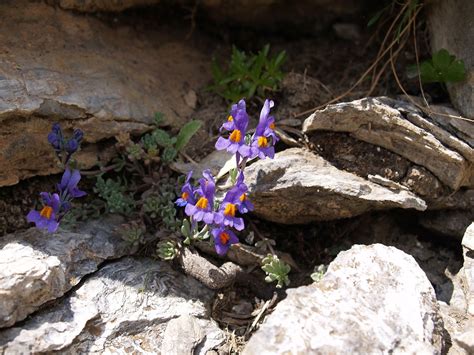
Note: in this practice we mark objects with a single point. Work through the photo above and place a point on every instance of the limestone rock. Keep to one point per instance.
(468, 267)
(37, 267)
(102, 5)
(84, 74)
(391, 309)
(301, 187)
(125, 305)
(374, 121)
(450, 24)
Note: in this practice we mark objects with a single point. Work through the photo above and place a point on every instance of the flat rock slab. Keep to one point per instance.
(301, 187)
(372, 300)
(374, 121)
(37, 267)
(84, 74)
(125, 305)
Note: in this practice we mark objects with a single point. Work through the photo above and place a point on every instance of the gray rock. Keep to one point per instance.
(37, 267)
(451, 223)
(390, 309)
(83, 73)
(458, 311)
(450, 24)
(468, 267)
(300, 187)
(374, 121)
(125, 305)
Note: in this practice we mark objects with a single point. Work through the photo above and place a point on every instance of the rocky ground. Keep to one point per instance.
(376, 189)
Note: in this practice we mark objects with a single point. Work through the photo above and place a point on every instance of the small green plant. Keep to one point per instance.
(276, 270)
(114, 194)
(193, 234)
(167, 250)
(319, 272)
(133, 233)
(248, 75)
(441, 68)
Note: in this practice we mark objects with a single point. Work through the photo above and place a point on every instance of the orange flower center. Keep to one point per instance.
(262, 142)
(230, 118)
(202, 203)
(224, 237)
(243, 197)
(272, 125)
(235, 136)
(47, 211)
(229, 210)
(185, 196)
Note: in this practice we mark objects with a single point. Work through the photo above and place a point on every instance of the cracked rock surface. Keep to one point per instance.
(129, 305)
(391, 309)
(382, 122)
(37, 267)
(299, 186)
(85, 74)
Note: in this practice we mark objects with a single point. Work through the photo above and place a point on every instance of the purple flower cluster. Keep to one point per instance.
(260, 144)
(56, 205)
(199, 201)
(63, 147)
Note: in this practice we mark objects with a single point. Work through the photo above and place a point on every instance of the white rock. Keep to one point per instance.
(372, 300)
(36, 267)
(125, 305)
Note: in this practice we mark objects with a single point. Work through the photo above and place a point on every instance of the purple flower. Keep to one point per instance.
(235, 143)
(265, 137)
(228, 209)
(223, 239)
(237, 110)
(55, 137)
(202, 210)
(68, 186)
(187, 193)
(245, 204)
(47, 218)
(74, 143)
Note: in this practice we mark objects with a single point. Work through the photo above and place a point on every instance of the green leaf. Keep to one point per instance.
(456, 71)
(186, 132)
(443, 68)
(169, 154)
(442, 59)
(162, 138)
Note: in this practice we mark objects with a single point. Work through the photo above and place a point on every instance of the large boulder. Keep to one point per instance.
(128, 304)
(299, 186)
(84, 74)
(372, 300)
(450, 24)
(37, 267)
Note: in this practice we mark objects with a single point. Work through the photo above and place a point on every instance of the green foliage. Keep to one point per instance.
(191, 234)
(114, 194)
(276, 270)
(160, 139)
(319, 272)
(441, 68)
(248, 75)
(186, 133)
(133, 233)
(167, 250)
